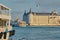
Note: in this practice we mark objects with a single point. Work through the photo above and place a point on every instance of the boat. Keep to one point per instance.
(6, 30)
(18, 23)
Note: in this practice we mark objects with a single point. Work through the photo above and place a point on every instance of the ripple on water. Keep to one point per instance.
(39, 33)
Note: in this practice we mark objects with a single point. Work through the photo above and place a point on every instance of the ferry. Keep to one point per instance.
(5, 28)
(18, 23)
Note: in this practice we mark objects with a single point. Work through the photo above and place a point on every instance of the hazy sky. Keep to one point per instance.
(19, 6)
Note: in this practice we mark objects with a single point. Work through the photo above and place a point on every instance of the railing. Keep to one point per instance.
(4, 11)
(5, 16)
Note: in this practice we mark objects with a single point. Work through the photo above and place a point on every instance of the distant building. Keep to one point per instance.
(22, 23)
(37, 19)
(18, 23)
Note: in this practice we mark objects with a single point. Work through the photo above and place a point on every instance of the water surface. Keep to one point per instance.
(37, 33)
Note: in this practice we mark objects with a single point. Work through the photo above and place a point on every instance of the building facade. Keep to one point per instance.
(37, 19)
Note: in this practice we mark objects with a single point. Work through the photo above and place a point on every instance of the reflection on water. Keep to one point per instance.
(37, 33)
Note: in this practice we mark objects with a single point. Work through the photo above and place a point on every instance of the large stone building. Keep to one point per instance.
(37, 19)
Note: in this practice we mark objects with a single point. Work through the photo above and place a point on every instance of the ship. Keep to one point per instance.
(6, 30)
(18, 23)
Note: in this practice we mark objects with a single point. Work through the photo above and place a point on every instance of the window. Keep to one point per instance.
(1, 23)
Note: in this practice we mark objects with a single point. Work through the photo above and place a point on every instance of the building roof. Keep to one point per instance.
(54, 12)
(37, 13)
(41, 13)
(5, 6)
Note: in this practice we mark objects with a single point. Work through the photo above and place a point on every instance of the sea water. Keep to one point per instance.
(36, 33)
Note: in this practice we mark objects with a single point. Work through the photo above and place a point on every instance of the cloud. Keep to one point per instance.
(19, 1)
(48, 2)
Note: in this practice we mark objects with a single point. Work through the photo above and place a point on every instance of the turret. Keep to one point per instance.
(54, 12)
(25, 12)
(30, 10)
(24, 16)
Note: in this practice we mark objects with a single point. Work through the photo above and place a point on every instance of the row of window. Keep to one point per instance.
(3, 23)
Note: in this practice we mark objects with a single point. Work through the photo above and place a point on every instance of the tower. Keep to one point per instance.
(24, 16)
(30, 10)
(30, 17)
(54, 12)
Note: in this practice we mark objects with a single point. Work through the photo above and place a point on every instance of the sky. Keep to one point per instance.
(19, 6)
